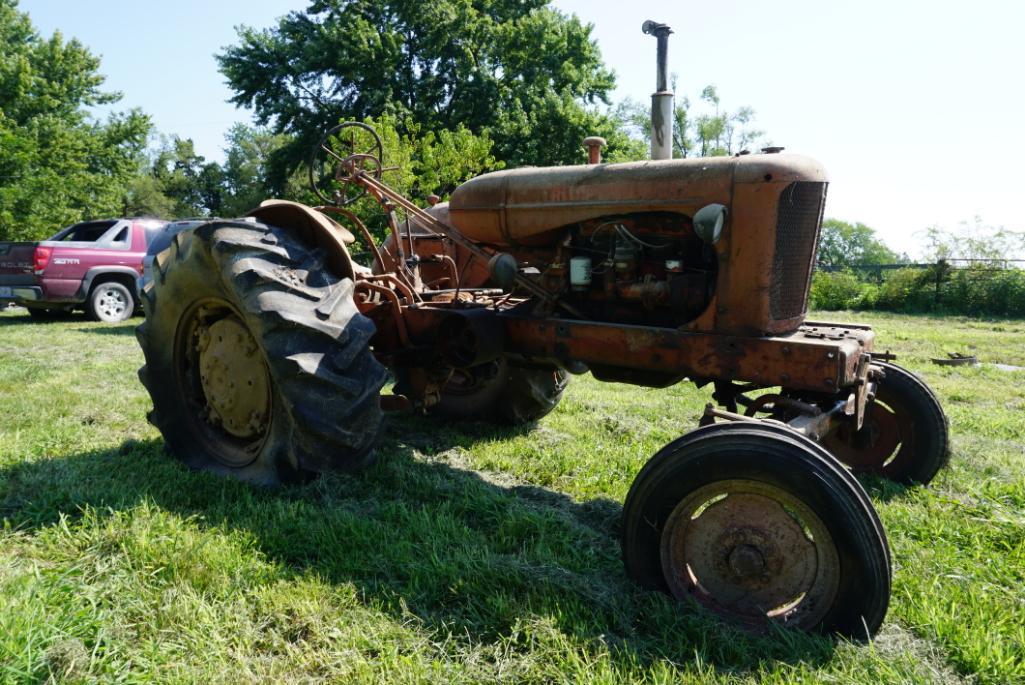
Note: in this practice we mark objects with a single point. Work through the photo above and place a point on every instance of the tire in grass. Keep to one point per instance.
(760, 526)
(500, 391)
(257, 360)
(905, 433)
(110, 302)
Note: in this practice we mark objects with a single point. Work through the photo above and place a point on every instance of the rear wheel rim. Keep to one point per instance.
(224, 381)
(112, 304)
(752, 552)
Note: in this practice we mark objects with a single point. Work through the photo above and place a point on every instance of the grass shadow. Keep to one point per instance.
(470, 555)
(123, 328)
(880, 489)
(19, 317)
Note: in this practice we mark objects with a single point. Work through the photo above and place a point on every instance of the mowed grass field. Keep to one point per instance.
(468, 554)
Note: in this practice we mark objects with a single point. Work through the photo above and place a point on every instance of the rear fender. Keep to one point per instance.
(312, 228)
(98, 274)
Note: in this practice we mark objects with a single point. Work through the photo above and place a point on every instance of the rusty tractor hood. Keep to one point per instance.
(528, 206)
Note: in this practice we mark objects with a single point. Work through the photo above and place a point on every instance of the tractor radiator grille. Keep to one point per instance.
(797, 234)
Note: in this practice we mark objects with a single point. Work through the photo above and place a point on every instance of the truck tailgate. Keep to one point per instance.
(16, 261)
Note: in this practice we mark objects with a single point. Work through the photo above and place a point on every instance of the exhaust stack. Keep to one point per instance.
(662, 98)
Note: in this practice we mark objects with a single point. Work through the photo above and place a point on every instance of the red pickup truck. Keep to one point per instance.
(92, 265)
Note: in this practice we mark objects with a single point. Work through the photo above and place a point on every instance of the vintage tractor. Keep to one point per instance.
(267, 348)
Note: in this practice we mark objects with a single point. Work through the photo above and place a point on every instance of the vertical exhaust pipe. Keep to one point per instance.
(662, 98)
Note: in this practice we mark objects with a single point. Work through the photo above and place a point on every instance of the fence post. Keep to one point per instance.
(941, 268)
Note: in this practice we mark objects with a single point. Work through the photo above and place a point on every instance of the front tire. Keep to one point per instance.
(759, 526)
(257, 360)
(904, 437)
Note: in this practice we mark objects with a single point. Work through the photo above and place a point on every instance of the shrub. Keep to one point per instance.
(973, 291)
(980, 290)
(907, 290)
(839, 290)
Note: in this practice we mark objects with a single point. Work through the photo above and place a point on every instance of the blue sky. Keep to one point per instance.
(914, 107)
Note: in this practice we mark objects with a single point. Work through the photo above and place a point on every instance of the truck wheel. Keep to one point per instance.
(110, 302)
(503, 392)
(257, 360)
(905, 433)
(760, 527)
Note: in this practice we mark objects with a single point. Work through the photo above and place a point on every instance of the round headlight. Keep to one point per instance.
(708, 222)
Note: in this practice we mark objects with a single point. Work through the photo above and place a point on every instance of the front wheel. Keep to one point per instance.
(759, 526)
(904, 436)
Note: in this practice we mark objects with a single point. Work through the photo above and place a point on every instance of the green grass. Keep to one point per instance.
(467, 554)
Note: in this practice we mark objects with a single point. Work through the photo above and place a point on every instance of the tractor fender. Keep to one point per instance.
(313, 229)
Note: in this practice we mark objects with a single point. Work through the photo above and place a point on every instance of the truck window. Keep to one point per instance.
(87, 232)
(122, 235)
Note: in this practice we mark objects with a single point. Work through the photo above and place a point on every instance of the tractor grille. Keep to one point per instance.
(797, 234)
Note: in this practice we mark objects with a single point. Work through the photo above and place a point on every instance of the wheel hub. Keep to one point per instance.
(871, 447)
(746, 561)
(751, 551)
(234, 378)
(112, 303)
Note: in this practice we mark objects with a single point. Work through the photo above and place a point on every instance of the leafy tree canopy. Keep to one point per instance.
(419, 163)
(245, 172)
(525, 74)
(193, 184)
(846, 244)
(705, 129)
(58, 166)
(175, 182)
(974, 240)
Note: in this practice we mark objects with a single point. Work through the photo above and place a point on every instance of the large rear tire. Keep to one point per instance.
(760, 526)
(257, 360)
(500, 391)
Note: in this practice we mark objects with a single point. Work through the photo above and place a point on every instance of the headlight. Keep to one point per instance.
(708, 222)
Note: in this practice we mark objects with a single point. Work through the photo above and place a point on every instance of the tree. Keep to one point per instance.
(246, 174)
(696, 133)
(193, 184)
(418, 164)
(973, 240)
(846, 244)
(145, 197)
(58, 165)
(721, 132)
(528, 76)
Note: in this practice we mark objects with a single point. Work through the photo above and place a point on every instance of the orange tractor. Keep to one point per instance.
(267, 347)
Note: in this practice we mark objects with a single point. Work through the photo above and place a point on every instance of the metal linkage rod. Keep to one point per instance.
(383, 191)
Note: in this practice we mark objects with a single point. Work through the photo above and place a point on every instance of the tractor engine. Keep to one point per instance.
(723, 244)
(648, 268)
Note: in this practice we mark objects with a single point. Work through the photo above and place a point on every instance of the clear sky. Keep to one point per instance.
(915, 107)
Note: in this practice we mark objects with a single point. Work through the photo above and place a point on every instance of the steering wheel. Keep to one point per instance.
(343, 153)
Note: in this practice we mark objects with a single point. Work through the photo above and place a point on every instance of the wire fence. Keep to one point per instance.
(954, 262)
